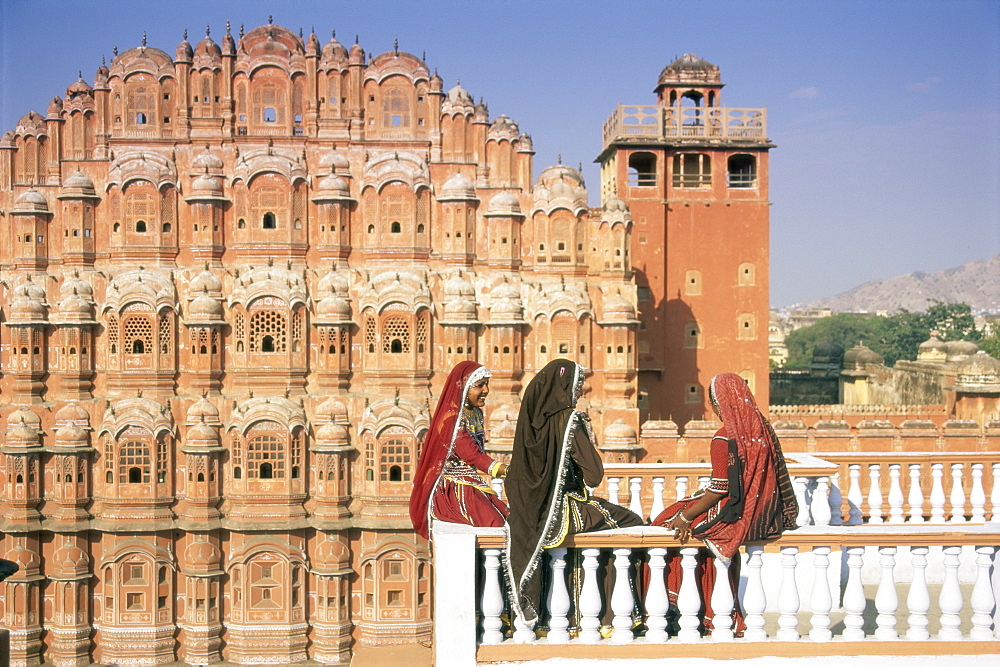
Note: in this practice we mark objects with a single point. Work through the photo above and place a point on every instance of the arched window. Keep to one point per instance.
(692, 282)
(137, 347)
(140, 226)
(268, 331)
(395, 227)
(269, 221)
(692, 170)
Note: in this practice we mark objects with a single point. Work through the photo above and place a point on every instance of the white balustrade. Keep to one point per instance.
(977, 496)
(523, 632)
(836, 501)
(886, 598)
(682, 487)
(916, 496)
(820, 505)
(895, 495)
(656, 597)
(688, 598)
(613, 488)
(874, 494)
(558, 597)
(801, 485)
(957, 497)
(635, 491)
(754, 600)
(854, 498)
(590, 599)
(788, 597)
(497, 485)
(937, 493)
(657, 506)
(722, 603)
(854, 597)
(820, 599)
(918, 600)
(950, 601)
(621, 599)
(492, 603)
(995, 493)
(982, 600)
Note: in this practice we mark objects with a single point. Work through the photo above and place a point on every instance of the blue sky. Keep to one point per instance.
(886, 114)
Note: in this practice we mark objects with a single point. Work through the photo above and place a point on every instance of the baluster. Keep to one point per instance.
(957, 496)
(916, 495)
(492, 603)
(688, 599)
(918, 600)
(657, 507)
(895, 495)
(497, 484)
(982, 600)
(590, 599)
(635, 490)
(977, 497)
(558, 601)
(950, 601)
(800, 486)
(613, 483)
(854, 597)
(754, 601)
(874, 494)
(937, 493)
(836, 502)
(820, 505)
(995, 495)
(820, 600)
(886, 598)
(682, 487)
(722, 602)
(854, 497)
(656, 597)
(621, 599)
(523, 633)
(788, 597)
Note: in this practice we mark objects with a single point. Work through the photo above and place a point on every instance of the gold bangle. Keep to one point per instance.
(683, 518)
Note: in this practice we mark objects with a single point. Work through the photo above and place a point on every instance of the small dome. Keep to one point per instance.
(503, 203)
(203, 410)
(979, 372)
(206, 281)
(331, 433)
(205, 306)
(860, 355)
(334, 409)
(206, 185)
(202, 435)
(457, 187)
(71, 435)
(22, 435)
(960, 349)
(26, 559)
(828, 353)
(333, 307)
(332, 553)
(207, 160)
(356, 53)
(932, 349)
(202, 555)
(616, 306)
(70, 558)
(31, 201)
(334, 50)
(73, 413)
(25, 415)
(933, 343)
(458, 95)
(79, 87)
(207, 48)
(78, 184)
(184, 51)
(334, 185)
(26, 307)
(614, 204)
(75, 307)
(460, 309)
(689, 68)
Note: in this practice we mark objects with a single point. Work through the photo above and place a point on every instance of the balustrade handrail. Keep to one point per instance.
(657, 122)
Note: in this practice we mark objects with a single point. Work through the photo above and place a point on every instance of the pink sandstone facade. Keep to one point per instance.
(233, 280)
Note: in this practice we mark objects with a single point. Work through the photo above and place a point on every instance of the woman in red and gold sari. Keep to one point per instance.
(749, 497)
(448, 485)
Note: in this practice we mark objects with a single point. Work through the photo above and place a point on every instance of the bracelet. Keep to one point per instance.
(681, 516)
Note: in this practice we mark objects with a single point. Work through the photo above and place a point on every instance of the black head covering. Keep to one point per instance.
(536, 475)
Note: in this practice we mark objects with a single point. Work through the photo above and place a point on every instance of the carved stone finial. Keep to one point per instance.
(144, 38)
(208, 30)
(270, 19)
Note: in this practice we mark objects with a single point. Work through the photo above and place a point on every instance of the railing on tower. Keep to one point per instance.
(662, 123)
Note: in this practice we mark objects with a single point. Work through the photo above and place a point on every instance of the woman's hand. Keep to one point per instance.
(681, 528)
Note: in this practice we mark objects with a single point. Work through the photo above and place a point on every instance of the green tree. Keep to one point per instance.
(844, 329)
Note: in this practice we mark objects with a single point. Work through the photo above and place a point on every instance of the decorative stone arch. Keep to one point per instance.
(267, 581)
(145, 165)
(391, 432)
(136, 437)
(137, 578)
(267, 438)
(407, 168)
(395, 582)
(254, 162)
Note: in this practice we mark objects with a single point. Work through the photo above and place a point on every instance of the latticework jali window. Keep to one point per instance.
(396, 335)
(268, 323)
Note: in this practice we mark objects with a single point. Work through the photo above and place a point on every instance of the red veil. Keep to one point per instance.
(439, 442)
(761, 503)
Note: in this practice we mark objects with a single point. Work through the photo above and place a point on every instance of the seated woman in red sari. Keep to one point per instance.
(448, 486)
(749, 497)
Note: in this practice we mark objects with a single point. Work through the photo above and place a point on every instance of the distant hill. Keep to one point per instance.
(976, 283)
